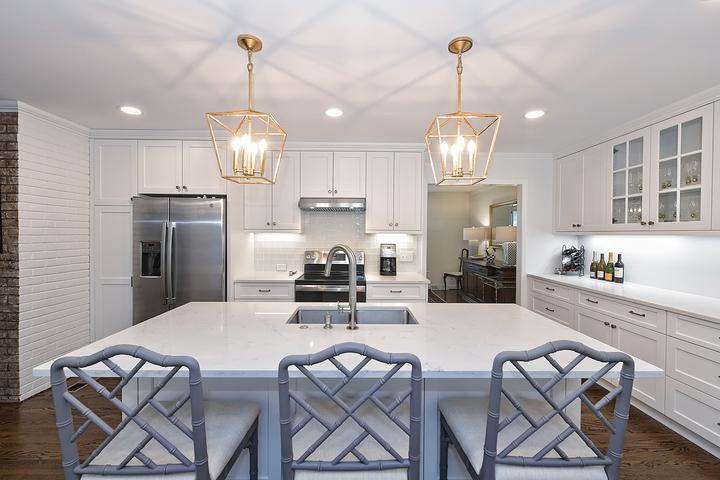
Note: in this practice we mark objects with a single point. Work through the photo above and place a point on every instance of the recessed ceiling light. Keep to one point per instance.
(535, 114)
(333, 112)
(130, 110)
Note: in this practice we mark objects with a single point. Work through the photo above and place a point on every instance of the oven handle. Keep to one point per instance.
(327, 288)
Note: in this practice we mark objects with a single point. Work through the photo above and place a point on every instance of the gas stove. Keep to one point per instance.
(314, 286)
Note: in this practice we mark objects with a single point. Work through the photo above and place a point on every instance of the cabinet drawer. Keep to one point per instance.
(696, 366)
(400, 292)
(549, 307)
(648, 317)
(694, 330)
(693, 409)
(265, 291)
(552, 289)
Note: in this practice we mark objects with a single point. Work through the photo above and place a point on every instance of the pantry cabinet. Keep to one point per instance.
(394, 193)
(580, 186)
(275, 207)
(174, 167)
(332, 175)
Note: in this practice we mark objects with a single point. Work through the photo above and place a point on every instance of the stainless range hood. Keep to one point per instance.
(316, 204)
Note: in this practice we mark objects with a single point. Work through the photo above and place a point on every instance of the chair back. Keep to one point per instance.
(352, 410)
(547, 432)
(156, 422)
(464, 253)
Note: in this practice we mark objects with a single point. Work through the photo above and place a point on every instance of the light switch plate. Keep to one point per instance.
(281, 267)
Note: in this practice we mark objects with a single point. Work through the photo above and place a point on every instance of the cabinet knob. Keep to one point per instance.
(335, 191)
(177, 187)
(396, 224)
(579, 225)
(390, 224)
(329, 191)
(643, 223)
(651, 222)
(268, 223)
(274, 223)
(607, 324)
(184, 187)
(613, 326)
(574, 225)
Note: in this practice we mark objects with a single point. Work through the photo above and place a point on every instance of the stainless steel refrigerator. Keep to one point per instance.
(178, 253)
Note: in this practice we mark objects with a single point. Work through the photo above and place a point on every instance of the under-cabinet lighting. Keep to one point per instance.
(535, 114)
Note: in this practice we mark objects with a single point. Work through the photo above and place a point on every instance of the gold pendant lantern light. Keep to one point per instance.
(253, 135)
(464, 142)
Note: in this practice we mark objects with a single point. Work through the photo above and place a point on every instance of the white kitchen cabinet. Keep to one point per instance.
(250, 291)
(629, 174)
(580, 187)
(394, 193)
(114, 167)
(716, 169)
(327, 174)
(275, 207)
(693, 409)
(396, 292)
(681, 171)
(180, 167)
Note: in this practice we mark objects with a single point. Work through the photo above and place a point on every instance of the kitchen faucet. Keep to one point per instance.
(351, 308)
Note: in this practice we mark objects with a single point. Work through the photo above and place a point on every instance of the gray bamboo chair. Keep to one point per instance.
(351, 426)
(155, 439)
(534, 438)
(458, 276)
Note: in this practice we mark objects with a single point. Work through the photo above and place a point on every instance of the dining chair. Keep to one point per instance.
(527, 433)
(458, 276)
(350, 412)
(158, 439)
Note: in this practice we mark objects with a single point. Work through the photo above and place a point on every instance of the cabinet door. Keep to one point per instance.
(593, 324)
(681, 171)
(629, 173)
(286, 194)
(568, 184)
(593, 193)
(647, 345)
(114, 171)
(160, 166)
(716, 171)
(407, 196)
(316, 174)
(258, 203)
(349, 175)
(379, 205)
(201, 173)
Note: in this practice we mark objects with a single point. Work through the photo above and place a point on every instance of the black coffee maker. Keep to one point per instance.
(388, 259)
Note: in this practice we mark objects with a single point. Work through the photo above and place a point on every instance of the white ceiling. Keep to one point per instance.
(590, 64)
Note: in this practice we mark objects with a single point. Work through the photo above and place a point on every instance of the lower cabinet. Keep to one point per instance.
(249, 291)
(396, 292)
(554, 309)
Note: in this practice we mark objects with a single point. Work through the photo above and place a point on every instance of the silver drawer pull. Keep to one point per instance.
(591, 301)
(395, 291)
(264, 291)
(551, 289)
(638, 314)
(549, 310)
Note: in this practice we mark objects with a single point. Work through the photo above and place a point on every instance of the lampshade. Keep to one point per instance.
(506, 234)
(474, 233)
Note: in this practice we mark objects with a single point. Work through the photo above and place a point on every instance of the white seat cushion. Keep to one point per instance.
(226, 424)
(467, 418)
(342, 437)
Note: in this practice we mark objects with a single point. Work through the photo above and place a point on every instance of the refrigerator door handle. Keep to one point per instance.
(163, 273)
(169, 264)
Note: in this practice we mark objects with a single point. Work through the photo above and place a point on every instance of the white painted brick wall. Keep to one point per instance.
(54, 242)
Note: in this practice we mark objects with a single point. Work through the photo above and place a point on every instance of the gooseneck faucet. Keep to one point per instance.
(351, 308)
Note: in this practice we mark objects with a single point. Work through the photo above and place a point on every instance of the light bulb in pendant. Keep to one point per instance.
(246, 141)
(460, 143)
(236, 143)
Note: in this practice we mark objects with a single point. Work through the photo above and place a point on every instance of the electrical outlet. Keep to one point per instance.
(281, 267)
(405, 256)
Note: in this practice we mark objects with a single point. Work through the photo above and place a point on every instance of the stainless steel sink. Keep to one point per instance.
(396, 316)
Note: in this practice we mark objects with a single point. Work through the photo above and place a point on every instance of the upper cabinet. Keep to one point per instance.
(180, 167)
(716, 171)
(629, 173)
(394, 193)
(327, 174)
(580, 181)
(275, 207)
(114, 167)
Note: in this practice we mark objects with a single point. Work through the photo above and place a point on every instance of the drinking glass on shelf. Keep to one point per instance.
(695, 168)
(661, 210)
(688, 173)
(639, 178)
(693, 209)
(669, 177)
(675, 209)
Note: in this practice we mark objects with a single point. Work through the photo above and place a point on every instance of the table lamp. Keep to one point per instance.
(473, 235)
(508, 237)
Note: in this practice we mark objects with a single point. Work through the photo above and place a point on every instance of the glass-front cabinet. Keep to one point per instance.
(681, 171)
(630, 168)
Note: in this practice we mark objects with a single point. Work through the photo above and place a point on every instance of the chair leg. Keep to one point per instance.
(254, 455)
(444, 444)
(445, 282)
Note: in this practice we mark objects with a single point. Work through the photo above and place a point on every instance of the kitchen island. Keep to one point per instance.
(239, 346)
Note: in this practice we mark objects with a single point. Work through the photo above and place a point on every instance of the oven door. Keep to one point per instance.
(327, 293)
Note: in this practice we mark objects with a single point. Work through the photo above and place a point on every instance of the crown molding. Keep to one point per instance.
(23, 109)
(685, 105)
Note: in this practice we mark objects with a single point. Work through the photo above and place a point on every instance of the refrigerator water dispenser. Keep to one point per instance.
(151, 262)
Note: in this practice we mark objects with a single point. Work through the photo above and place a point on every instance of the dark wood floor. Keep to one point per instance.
(29, 446)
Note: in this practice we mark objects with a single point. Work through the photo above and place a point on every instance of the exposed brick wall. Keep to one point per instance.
(9, 268)
(53, 242)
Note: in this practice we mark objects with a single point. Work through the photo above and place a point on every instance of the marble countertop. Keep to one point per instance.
(401, 277)
(683, 303)
(248, 340)
(371, 277)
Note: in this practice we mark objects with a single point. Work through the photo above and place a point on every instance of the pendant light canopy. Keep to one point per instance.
(463, 142)
(252, 133)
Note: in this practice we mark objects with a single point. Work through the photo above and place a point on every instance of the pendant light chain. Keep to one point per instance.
(250, 78)
(459, 72)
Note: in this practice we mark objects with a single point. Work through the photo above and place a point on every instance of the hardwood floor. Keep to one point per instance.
(29, 446)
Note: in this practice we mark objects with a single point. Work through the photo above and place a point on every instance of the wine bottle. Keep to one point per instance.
(601, 268)
(609, 269)
(619, 270)
(593, 266)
